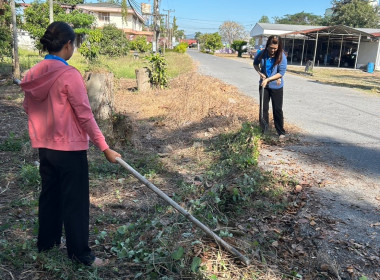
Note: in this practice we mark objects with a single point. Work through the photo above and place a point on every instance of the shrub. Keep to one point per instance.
(30, 175)
(159, 76)
(91, 47)
(140, 44)
(113, 42)
(181, 47)
(12, 144)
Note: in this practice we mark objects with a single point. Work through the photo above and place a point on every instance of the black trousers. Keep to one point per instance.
(276, 95)
(64, 201)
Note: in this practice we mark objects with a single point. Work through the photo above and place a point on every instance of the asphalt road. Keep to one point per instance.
(341, 123)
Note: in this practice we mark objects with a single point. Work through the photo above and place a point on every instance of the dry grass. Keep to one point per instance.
(175, 123)
(352, 78)
(190, 99)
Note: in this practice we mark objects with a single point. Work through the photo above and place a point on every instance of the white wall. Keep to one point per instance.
(368, 52)
(116, 19)
(24, 40)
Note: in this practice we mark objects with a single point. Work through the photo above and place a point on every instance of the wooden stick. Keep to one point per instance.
(187, 215)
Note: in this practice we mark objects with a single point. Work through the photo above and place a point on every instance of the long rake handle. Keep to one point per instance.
(262, 110)
(187, 215)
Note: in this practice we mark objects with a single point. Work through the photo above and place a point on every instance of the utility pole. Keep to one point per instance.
(168, 28)
(51, 11)
(156, 25)
(16, 62)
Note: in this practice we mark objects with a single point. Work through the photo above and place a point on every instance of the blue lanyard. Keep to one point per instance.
(50, 56)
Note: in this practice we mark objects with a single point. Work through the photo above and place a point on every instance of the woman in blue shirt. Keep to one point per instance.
(271, 64)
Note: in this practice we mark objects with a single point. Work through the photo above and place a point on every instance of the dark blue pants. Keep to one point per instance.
(276, 95)
(64, 201)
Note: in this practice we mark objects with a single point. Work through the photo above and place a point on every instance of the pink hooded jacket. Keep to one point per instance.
(60, 116)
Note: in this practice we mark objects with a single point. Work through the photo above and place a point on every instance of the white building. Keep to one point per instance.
(24, 40)
(108, 13)
(340, 46)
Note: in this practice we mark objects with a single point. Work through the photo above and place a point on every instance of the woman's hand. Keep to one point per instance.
(262, 76)
(111, 155)
(265, 82)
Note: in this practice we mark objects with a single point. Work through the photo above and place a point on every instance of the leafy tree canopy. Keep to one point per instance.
(178, 33)
(71, 2)
(5, 32)
(211, 42)
(231, 31)
(239, 46)
(197, 35)
(264, 19)
(36, 18)
(301, 18)
(113, 42)
(354, 13)
(77, 19)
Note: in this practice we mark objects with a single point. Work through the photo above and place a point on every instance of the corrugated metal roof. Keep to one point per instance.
(299, 29)
(333, 31)
(286, 27)
(372, 31)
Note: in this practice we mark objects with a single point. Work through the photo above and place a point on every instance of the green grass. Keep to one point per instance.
(122, 67)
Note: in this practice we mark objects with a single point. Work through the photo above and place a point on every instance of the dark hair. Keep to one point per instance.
(56, 36)
(275, 40)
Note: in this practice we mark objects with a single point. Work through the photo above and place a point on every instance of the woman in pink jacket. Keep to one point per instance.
(60, 125)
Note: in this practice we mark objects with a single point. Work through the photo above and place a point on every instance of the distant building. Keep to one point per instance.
(339, 46)
(108, 13)
(24, 40)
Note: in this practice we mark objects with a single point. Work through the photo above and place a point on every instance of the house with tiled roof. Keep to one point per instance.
(109, 13)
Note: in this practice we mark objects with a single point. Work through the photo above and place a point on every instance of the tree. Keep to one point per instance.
(124, 11)
(197, 35)
(91, 47)
(231, 31)
(211, 42)
(77, 19)
(37, 19)
(239, 46)
(5, 32)
(113, 42)
(301, 18)
(264, 19)
(354, 13)
(177, 33)
(71, 2)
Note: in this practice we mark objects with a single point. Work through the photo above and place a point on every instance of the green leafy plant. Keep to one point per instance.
(181, 47)
(5, 33)
(90, 48)
(11, 144)
(159, 76)
(140, 44)
(238, 46)
(113, 42)
(30, 175)
(210, 42)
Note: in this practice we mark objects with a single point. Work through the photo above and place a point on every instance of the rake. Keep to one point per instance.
(181, 210)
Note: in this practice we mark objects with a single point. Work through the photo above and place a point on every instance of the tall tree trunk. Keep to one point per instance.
(16, 62)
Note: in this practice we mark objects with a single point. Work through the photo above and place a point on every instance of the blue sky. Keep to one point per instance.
(207, 15)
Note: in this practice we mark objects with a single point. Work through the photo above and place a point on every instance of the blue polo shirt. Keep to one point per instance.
(269, 69)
